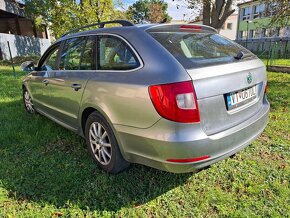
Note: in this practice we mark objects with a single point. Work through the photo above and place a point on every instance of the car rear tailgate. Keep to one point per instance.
(212, 84)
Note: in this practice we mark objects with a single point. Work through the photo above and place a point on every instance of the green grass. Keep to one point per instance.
(45, 171)
(281, 62)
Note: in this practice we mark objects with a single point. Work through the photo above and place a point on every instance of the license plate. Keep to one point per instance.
(241, 97)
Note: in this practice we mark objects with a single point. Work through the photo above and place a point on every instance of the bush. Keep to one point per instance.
(18, 60)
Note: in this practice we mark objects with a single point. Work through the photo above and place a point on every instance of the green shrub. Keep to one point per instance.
(18, 60)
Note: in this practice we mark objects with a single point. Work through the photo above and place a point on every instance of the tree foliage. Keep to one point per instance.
(279, 11)
(214, 12)
(153, 11)
(65, 15)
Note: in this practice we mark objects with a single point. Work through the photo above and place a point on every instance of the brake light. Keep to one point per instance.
(190, 27)
(266, 88)
(176, 101)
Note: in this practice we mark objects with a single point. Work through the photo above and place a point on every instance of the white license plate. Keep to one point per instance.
(241, 97)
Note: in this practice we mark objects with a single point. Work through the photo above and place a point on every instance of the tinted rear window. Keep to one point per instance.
(200, 49)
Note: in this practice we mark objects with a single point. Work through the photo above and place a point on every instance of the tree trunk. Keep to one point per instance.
(216, 13)
(206, 12)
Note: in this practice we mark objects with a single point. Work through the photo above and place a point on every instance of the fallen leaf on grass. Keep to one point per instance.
(57, 214)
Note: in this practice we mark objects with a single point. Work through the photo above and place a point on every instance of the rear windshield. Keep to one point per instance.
(200, 49)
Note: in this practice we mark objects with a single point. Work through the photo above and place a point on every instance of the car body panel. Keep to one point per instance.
(211, 91)
(39, 90)
(66, 99)
(125, 104)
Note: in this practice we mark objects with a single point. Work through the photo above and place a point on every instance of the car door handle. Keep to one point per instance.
(76, 87)
(45, 81)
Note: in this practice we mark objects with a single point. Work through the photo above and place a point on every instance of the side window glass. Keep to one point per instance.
(115, 54)
(87, 60)
(50, 62)
(71, 54)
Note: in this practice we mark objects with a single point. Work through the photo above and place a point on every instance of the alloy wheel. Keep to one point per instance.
(28, 102)
(100, 143)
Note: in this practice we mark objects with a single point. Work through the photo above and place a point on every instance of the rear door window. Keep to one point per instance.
(88, 55)
(78, 54)
(115, 54)
(71, 53)
(199, 49)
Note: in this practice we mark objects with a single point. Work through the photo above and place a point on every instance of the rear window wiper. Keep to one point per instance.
(240, 55)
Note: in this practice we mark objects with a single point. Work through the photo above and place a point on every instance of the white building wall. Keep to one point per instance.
(227, 32)
(230, 32)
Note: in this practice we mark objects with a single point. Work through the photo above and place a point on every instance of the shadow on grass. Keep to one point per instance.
(45, 163)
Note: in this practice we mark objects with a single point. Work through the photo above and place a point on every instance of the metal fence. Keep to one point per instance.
(276, 52)
(275, 48)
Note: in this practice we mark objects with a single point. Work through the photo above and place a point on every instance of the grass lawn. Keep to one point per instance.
(45, 171)
(279, 62)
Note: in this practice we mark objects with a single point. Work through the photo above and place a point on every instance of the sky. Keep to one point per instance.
(176, 14)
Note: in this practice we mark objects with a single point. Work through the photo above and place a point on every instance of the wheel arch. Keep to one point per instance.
(84, 116)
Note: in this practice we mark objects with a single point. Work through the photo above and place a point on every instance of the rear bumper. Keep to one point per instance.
(169, 140)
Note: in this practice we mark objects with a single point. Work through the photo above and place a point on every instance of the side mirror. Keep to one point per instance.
(27, 66)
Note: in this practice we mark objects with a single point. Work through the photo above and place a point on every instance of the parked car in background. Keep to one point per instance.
(176, 97)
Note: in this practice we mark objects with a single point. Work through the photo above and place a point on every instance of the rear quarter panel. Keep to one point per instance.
(123, 103)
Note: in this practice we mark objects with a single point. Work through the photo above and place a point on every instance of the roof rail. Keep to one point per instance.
(101, 25)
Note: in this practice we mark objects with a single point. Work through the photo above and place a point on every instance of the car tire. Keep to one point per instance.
(102, 144)
(27, 101)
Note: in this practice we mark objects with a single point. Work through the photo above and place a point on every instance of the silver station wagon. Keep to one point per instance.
(176, 97)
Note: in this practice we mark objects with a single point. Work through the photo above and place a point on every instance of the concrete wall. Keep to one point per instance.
(21, 45)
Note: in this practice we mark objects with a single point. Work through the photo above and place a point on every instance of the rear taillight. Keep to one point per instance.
(266, 88)
(175, 101)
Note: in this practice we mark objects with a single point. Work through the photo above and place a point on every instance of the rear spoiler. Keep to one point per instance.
(180, 28)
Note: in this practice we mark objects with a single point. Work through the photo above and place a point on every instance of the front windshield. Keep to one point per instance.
(199, 49)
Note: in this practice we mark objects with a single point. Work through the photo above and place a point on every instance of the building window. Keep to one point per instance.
(269, 33)
(272, 9)
(256, 34)
(229, 26)
(251, 33)
(287, 32)
(284, 32)
(275, 32)
(258, 11)
(247, 13)
(243, 34)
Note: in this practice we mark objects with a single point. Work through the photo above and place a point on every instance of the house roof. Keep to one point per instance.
(247, 2)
